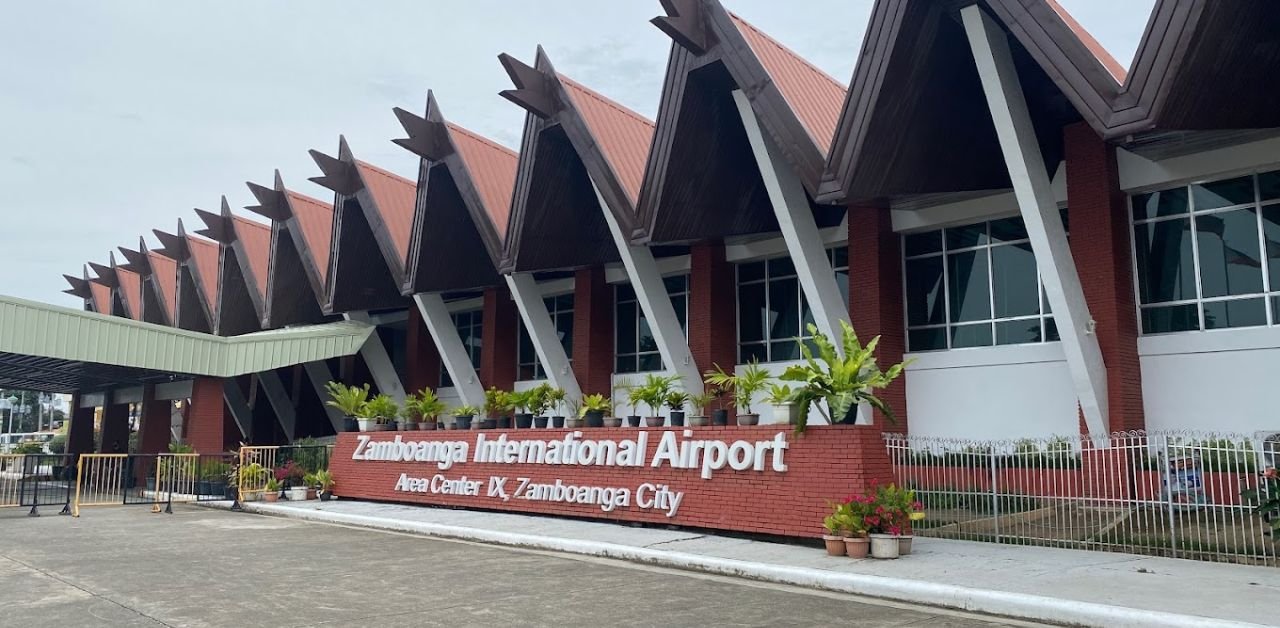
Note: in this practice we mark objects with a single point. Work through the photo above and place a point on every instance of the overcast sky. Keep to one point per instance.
(119, 117)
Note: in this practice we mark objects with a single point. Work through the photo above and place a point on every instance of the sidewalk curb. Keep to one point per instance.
(1007, 604)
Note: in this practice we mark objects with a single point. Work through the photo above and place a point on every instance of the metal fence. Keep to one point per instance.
(258, 466)
(1168, 494)
(35, 480)
(150, 479)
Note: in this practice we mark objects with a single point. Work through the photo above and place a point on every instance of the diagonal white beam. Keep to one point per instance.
(379, 362)
(799, 230)
(454, 356)
(651, 294)
(238, 406)
(320, 375)
(1032, 188)
(278, 397)
(542, 331)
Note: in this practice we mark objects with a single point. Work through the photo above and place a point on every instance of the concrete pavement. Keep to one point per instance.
(123, 566)
(1044, 584)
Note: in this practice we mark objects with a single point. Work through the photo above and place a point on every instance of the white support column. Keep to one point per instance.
(799, 230)
(453, 355)
(239, 407)
(542, 331)
(278, 397)
(379, 362)
(651, 294)
(1032, 188)
(320, 375)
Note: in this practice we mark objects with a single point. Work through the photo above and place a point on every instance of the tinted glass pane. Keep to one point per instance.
(625, 364)
(1008, 229)
(1066, 222)
(751, 272)
(1163, 203)
(1159, 320)
(682, 313)
(1165, 264)
(927, 339)
(787, 350)
(626, 334)
(564, 302)
(970, 291)
(645, 340)
(752, 352)
(752, 317)
(445, 380)
(806, 316)
(1271, 232)
(923, 243)
(784, 305)
(1013, 276)
(526, 371)
(971, 336)
(1269, 185)
(1275, 311)
(1236, 191)
(839, 257)
(924, 292)
(524, 344)
(1018, 332)
(781, 267)
(1051, 330)
(624, 292)
(842, 282)
(967, 236)
(564, 329)
(1237, 313)
(675, 284)
(1229, 259)
(649, 362)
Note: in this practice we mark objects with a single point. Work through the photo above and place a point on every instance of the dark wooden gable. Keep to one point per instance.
(364, 273)
(105, 277)
(240, 304)
(556, 221)
(80, 288)
(455, 244)
(295, 285)
(154, 304)
(192, 311)
(701, 179)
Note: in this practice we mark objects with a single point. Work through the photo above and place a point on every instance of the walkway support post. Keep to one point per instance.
(278, 397)
(1031, 186)
(542, 331)
(379, 362)
(454, 356)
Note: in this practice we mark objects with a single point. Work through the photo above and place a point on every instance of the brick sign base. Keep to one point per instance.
(823, 463)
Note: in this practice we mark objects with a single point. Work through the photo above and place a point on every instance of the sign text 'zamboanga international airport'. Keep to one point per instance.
(672, 450)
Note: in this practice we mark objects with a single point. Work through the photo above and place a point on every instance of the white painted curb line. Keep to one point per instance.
(1017, 605)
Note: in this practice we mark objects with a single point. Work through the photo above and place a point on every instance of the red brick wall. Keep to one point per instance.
(875, 298)
(208, 417)
(593, 331)
(422, 361)
(1099, 226)
(115, 429)
(713, 308)
(498, 353)
(154, 429)
(824, 463)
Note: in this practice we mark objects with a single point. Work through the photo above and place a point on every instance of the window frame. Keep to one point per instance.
(475, 323)
(767, 340)
(1270, 295)
(639, 311)
(552, 303)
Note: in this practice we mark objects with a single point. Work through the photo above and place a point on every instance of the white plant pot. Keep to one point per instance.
(784, 414)
(368, 425)
(297, 493)
(884, 546)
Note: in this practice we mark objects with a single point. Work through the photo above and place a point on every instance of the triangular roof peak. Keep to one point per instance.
(623, 135)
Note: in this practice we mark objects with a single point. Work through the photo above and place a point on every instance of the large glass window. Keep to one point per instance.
(974, 286)
(772, 311)
(470, 326)
(1208, 254)
(635, 349)
(528, 366)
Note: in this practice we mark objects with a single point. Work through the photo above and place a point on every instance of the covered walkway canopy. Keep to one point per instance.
(56, 349)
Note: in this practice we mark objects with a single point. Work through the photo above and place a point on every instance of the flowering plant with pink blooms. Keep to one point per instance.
(886, 509)
(1266, 500)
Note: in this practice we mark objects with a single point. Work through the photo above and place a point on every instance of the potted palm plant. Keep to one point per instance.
(429, 407)
(497, 403)
(743, 386)
(272, 488)
(324, 485)
(522, 404)
(594, 408)
(656, 388)
(555, 402)
(382, 409)
(675, 402)
(409, 415)
(462, 416)
(635, 397)
(784, 411)
(348, 400)
(700, 402)
(840, 383)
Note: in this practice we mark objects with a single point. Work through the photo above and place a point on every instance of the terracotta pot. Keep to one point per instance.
(857, 546)
(835, 545)
(271, 496)
(654, 421)
(904, 544)
(884, 546)
(748, 419)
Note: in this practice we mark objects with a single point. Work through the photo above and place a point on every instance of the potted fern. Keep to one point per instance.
(743, 386)
(409, 415)
(700, 402)
(324, 485)
(428, 408)
(462, 416)
(555, 402)
(675, 402)
(784, 411)
(381, 410)
(840, 383)
(349, 400)
(522, 402)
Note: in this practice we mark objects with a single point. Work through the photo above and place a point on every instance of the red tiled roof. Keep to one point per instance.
(395, 196)
(814, 96)
(493, 170)
(131, 287)
(623, 135)
(101, 297)
(256, 238)
(204, 254)
(1113, 67)
(164, 272)
(316, 219)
